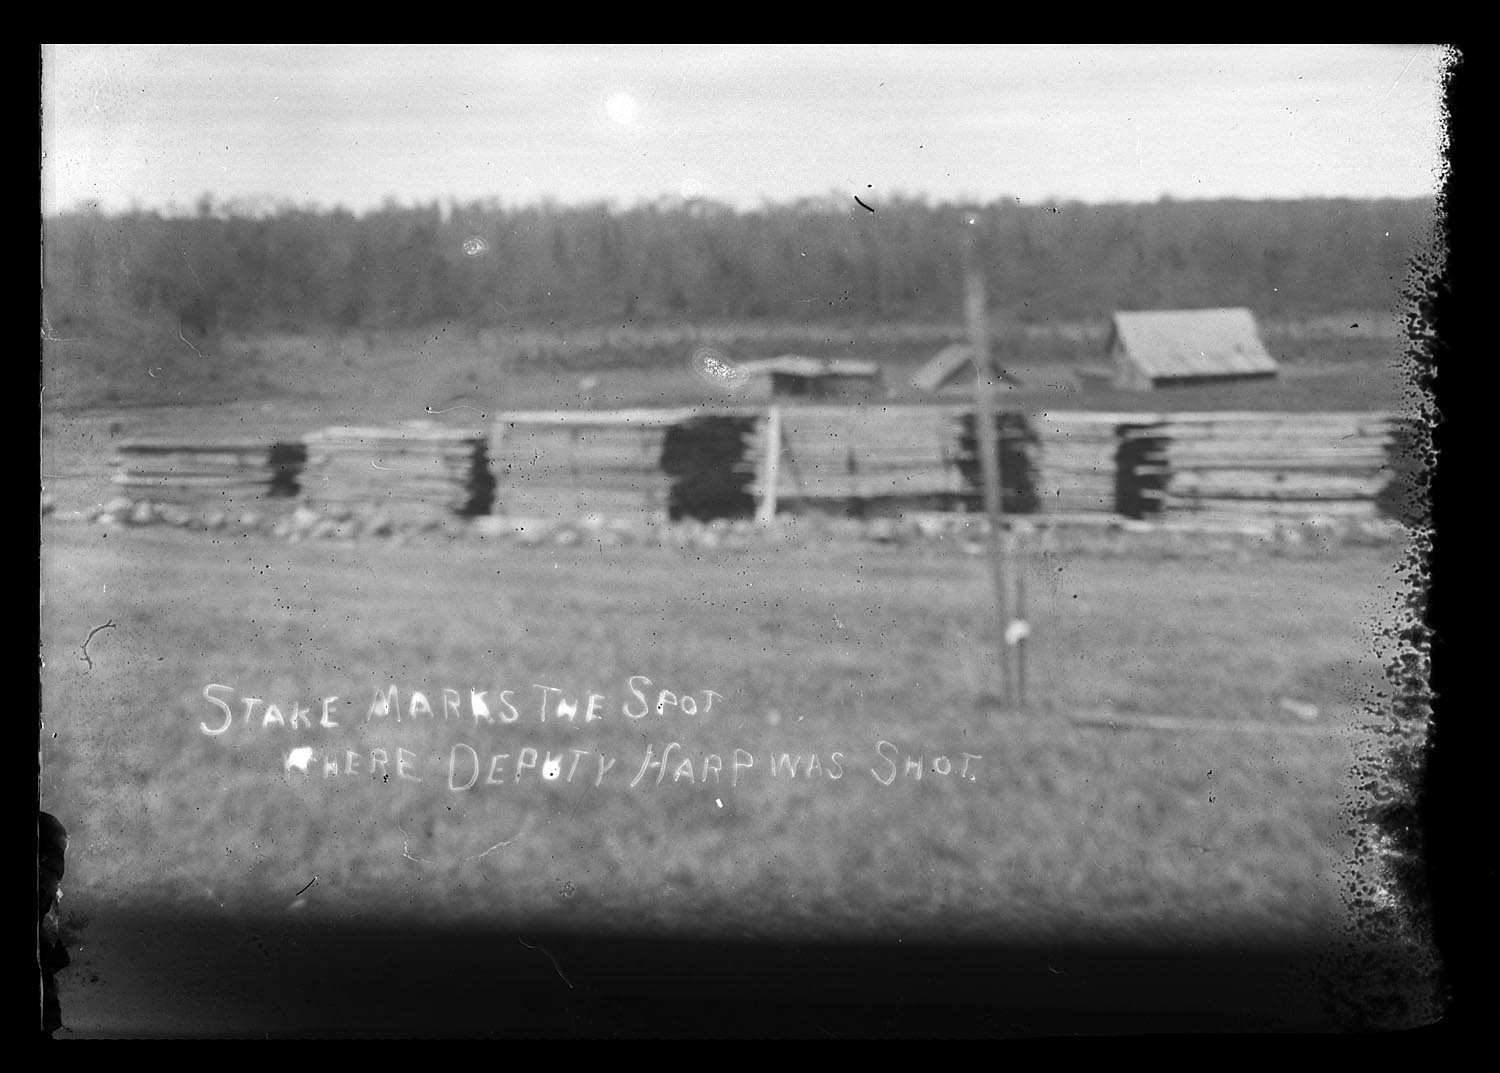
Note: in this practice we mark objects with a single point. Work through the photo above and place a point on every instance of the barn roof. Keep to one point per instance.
(947, 365)
(1192, 342)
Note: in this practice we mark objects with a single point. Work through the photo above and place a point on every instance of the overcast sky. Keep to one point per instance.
(157, 126)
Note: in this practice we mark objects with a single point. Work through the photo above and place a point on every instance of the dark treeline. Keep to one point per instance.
(487, 264)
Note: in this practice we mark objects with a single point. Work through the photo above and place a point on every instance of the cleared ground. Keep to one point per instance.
(123, 363)
(811, 648)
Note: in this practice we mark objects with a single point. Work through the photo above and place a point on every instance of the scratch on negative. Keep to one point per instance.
(191, 269)
(185, 340)
(110, 625)
(524, 828)
(406, 846)
(1402, 75)
(550, 958)
(303, 891)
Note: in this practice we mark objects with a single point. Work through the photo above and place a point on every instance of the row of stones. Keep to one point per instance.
(967, 531)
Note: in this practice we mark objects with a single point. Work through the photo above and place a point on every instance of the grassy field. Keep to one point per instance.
(811, 648)
(1349, 362)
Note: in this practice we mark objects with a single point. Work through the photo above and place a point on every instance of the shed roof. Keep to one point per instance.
(947, 365)
(1192, 342)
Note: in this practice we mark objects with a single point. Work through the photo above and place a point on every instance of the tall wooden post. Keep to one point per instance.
(1020, 638)
(770, 468)
(976, 313)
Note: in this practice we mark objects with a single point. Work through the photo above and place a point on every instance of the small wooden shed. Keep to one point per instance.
(795, 377)
(952, 369)
(1186, 348)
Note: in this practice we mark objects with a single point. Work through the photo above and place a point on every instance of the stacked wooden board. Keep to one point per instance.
(1140, 467)
(568, 465)
(712, 460)
(205, 473)
(1407, 495)
(1233, 465)
(716, 464)
(848, 457)
(413, 471)
(1079, 461)
(1016, 442)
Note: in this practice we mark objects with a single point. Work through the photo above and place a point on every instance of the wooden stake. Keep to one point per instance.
(1021, 641)
(976, 312)
(770, 463)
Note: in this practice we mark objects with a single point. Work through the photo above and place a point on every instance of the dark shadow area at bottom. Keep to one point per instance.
(171, 975)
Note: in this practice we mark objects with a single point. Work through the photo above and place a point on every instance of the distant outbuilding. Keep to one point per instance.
(1187, 347)
(953, 368)
(792, 376)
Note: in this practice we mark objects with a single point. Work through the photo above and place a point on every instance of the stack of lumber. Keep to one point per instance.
(199, 474)
(851, 456)
(412, 471)
(1079, 461)
(1140, 468)
(711, 461)
(567, 465)
(1230, 465)
(1017, 442)
(287, 461)
(1406, 496)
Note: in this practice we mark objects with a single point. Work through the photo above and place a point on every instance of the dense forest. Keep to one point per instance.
(230, 267)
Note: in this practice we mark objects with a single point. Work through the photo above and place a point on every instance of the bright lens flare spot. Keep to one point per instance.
(714, 368)
(299, 758)
(622, 108)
